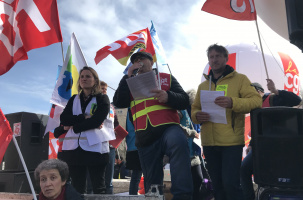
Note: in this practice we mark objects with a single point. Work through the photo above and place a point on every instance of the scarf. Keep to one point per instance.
(60, 197)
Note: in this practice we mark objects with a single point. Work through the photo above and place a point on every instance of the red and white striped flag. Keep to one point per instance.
(122, 49)
(26, 25)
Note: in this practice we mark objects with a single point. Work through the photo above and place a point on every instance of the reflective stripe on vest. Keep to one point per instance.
(150, 109)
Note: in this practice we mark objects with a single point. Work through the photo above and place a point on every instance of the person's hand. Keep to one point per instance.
(87, 116)
(271, 87)
(101, 126)
(160, 95)
(67, 127)
(225, 102)
(249, 148)
(197, 135)
(136, 65)
(202, 116)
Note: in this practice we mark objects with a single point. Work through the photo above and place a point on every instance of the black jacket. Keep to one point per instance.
(177, 99)
(70, 193)
(79, 122)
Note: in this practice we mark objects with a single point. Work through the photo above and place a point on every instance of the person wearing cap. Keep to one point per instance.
(274, 98)
(223, 143)
(158, 133)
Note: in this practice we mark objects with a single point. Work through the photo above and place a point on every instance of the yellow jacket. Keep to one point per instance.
(244, 97)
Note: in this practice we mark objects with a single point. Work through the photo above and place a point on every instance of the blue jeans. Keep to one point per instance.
(172, 143)
(109, 172)
(246, 173)
(223, 164)
(134, 182)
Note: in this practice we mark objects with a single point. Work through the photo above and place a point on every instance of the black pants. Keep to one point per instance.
(196, 173)
(97, 176)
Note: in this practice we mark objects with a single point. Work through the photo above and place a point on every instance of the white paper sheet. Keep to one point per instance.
(217, 113)
(106, 133)
(140, 86)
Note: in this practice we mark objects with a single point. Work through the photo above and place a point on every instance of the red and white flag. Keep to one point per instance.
(26, 25)
(6, 134)
(232, 9)
(122, 49)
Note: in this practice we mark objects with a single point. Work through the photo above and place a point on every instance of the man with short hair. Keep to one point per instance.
(223, 143)
(156, 123)
(103, 87)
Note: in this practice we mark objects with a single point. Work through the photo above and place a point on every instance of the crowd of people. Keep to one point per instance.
(163, 124)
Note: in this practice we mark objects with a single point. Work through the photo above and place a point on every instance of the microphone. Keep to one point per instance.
(135, 71)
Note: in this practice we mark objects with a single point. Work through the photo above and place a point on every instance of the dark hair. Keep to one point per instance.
(97, 87)
(219, 49)
(57, 164)
(102, 83)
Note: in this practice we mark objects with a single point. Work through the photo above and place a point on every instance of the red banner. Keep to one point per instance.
(26, 25)
(6, 134)
(232, 9)
(291, 72)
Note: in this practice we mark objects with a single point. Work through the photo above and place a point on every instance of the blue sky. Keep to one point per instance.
(184, 30)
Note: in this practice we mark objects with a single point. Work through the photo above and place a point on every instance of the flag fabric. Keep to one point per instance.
(66, 85)
(232, 9)
(6, 134)
(160, 53)
(26, 25)
(122, 49)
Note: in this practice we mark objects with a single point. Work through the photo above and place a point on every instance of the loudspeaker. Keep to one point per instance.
(33, 146)
(294, 13)
(16, 182)
(280, 194)
(277, 135)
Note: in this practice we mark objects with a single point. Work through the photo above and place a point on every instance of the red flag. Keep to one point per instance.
(232, 9)
(122, 49)
(6, 134)
(26, 25)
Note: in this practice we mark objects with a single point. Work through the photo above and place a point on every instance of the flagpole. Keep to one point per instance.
(159, 81)
(169, 68)
(261, 49)
(111, 87)
(62, 52)
(25, 168)
(80, 48)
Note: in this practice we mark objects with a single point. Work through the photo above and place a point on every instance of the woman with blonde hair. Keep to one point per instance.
(84, 147)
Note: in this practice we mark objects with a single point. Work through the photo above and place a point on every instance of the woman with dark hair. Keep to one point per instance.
(85, 147)
(52, 175)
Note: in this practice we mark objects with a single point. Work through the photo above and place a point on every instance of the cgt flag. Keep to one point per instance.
(26, 25)
(243, 10)
(6, 134)
(122, 49)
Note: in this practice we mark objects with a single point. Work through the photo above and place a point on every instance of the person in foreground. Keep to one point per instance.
(223, 143)
(274, 98)
(156, 123)
(52, 175)
(82, 148)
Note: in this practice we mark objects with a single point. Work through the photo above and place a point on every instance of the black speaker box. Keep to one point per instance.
(33, 146)
(16, 182)
(280, 194)
(277, 135)
(294, 13)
